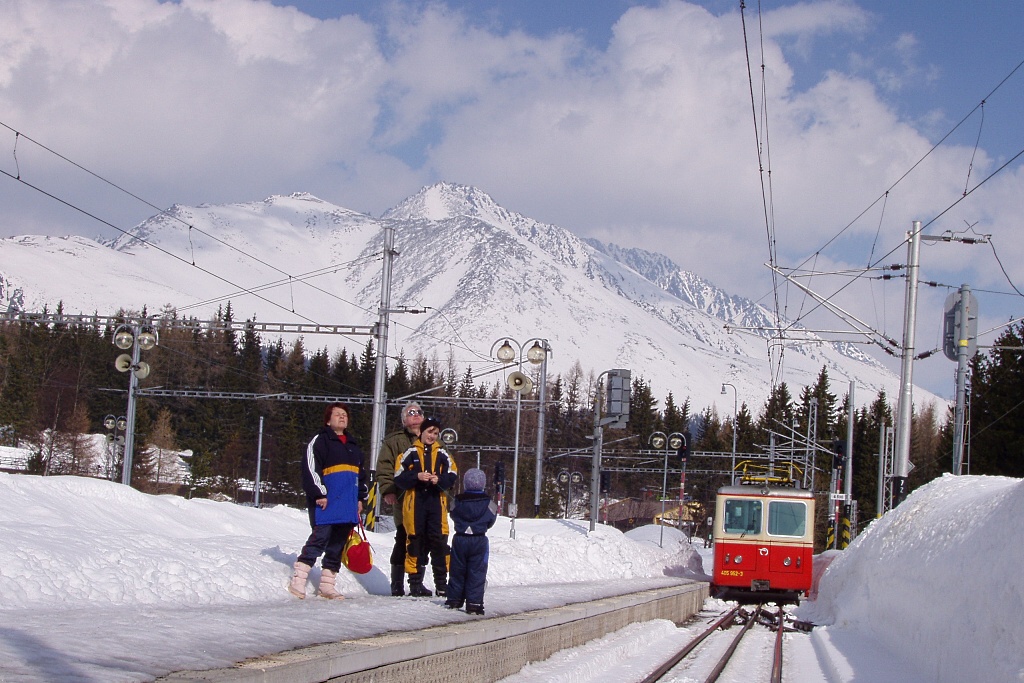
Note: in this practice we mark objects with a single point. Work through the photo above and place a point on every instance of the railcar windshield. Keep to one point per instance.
(787, 518)
(742, 516)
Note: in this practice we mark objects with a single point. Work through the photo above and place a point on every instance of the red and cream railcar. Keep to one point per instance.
(764, 543)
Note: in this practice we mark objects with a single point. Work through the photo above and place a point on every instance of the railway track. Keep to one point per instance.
(726, 641)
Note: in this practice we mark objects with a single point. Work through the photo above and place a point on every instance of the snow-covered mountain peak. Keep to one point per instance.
(486, 271)
(298, 196)
(442, 201)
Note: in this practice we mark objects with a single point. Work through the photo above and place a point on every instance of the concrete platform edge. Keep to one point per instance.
(478, 650)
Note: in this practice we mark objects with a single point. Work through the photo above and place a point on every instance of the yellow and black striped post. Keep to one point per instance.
(844, 537)
(371, 507)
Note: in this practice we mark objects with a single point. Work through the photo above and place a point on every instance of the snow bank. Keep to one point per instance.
(72, 541)
(937, 580)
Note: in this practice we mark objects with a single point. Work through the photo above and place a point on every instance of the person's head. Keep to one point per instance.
(474, 480)
(336, 417)
(412, 417)
(430, 430)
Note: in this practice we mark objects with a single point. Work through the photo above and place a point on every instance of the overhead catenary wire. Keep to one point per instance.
(885, 196)
(302, 277)
(763, 154)
(992, 244)
(923, 226)
(164, 212)
(151, 244)
(977, 142)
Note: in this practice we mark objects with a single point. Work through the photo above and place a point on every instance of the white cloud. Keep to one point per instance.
(259, 30)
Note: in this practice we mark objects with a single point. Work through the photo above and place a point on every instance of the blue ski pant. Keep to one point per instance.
(468, 573)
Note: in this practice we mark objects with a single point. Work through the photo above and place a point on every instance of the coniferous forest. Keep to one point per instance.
(58, 382)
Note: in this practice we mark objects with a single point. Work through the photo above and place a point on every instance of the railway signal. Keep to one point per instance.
(683, 452)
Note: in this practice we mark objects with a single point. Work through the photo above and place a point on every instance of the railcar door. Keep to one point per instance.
(788, 525)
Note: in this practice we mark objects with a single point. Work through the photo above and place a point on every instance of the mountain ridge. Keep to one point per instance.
(483, 272)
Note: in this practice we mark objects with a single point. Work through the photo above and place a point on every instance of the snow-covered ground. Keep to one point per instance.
(101, 582)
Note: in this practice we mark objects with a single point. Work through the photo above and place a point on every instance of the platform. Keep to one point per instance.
(482, 650)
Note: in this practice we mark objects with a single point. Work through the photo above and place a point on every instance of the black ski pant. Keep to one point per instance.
(428, 539)
(327, 540)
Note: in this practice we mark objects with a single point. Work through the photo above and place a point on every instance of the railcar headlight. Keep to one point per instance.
(739, 558)
(786, 562)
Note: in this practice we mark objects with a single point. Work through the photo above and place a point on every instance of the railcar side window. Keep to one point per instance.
(742, 516)
(787, 518)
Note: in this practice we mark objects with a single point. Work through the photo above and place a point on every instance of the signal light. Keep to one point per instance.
(684, 449)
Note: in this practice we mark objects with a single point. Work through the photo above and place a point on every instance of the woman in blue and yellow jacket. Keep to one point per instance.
(336, 485)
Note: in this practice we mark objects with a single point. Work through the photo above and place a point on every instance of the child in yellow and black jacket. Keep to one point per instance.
(426, 472)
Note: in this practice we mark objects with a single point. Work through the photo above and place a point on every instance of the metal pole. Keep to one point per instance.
(848, 474)
(259, 462)
(542, 397)
(735, 410)
(380, 374)
(880, 499)
(682, 495)
(810, 457)
(847, 529)
(129, 434)
(514, 511)
(962, 343)
(595, 474)
(905, 407)
(664, 485)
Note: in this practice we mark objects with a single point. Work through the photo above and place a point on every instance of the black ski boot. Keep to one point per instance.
(397, 580)
(440, 582)
(416, 587)
(474, 608)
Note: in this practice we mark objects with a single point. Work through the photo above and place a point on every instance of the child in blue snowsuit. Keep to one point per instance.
(473, 514)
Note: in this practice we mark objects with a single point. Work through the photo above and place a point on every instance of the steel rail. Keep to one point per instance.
(777, 654)
(724, 661)
(658, 673)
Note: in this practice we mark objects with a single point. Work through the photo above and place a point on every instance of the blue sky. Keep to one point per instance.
(933, 61)
(628, 122)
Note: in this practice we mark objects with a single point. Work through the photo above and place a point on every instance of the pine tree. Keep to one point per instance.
(931, 454)
(778, 412)
(162, 452)
(422, 377)
(342, 374)
(318, 373)
(367, 369)
(746, 431)
(996, 438)
(248, 364)
(643, 410)
(398, 382)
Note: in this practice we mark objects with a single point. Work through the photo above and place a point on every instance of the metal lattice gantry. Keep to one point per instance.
(99, 322)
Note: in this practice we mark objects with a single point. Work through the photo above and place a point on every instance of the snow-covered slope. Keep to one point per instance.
(482, 271)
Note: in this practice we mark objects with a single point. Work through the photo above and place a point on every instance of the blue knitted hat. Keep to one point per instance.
(474, 480)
